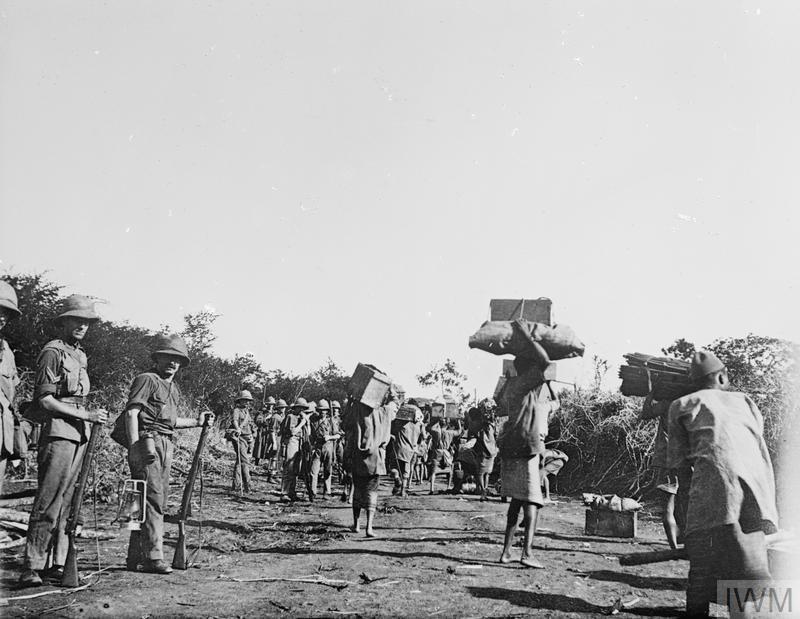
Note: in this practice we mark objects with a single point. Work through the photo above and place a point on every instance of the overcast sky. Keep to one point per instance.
(356, 180)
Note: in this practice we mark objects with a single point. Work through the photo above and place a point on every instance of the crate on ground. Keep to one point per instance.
(369, 385)
(611, 524)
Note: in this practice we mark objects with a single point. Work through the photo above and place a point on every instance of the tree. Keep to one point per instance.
(449, 379)
(680, 349)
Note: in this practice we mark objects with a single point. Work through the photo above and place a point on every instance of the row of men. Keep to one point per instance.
(305, 440)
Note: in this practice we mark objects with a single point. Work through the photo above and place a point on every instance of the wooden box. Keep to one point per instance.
(406, 413)
(452, 411)
(610, 524)
(535, 310)
(498, 390)
(369, 385)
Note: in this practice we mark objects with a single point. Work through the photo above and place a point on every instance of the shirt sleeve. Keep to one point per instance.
(48, 374)
(141, 390)
(678, 448)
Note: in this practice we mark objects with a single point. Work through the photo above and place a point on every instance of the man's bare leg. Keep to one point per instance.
(531, 517)
(669, 522)
(370, 516)
(511, 527)
(356, 515)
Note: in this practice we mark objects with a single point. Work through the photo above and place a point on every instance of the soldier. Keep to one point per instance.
(336, 421)
(293, 431)
(323, 439)
(151, 418)
(262, 442)
(9, 379)
(240, 434)
(406, 436)
(61, 385)
(273, 428)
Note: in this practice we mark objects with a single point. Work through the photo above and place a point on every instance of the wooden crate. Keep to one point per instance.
(498, 390)
(369, 385)
(406, 413)
(452, 411)
(535, 310)
(611, 524)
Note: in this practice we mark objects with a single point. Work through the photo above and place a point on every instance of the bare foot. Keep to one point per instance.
(370, 533)
(355, 528)
(529, 562)
(505, 558)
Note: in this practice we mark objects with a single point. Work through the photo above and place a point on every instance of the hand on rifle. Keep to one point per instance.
(206, 417)
(98, 416)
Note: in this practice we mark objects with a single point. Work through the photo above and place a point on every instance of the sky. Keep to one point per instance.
(356, 180)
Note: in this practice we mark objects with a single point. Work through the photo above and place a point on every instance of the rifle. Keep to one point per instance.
(70, 577)
(179, 561)
(238, 470)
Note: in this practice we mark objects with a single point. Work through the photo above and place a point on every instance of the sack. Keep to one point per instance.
(120, 434)
(501, 338)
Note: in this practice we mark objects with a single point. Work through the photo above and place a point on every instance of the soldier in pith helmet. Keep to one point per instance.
(9, 379)
(262, 443)
(151, 418)
(323, 441)
(240, 434)
(61, 385)
(294, 431)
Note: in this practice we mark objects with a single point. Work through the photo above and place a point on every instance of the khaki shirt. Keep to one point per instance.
(9, 379)
(721, 434)
(61, 372)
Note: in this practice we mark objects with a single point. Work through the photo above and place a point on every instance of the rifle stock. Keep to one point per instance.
(179, 561)
(70, 577)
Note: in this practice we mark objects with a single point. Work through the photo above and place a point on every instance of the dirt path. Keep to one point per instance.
(436, 556)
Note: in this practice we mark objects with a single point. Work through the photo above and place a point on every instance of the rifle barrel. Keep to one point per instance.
(70, 577)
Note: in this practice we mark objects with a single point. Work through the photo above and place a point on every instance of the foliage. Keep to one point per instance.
(449, 379)
(118, 352)
(608, 448)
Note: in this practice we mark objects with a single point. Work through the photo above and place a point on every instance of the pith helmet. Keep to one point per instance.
(336, 406)
(312, 406)
(77, 306)
(8, 297)
(300, 403)
(281, 403)
(323, 405)
(172, 345)
(244, 394)
(270, 400)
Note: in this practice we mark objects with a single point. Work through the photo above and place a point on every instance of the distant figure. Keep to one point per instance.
(551, 463)
(293, 431)
(440, 452)
(478, 460)
(667, 479)
(716, 444)
(406, 436)
(9, 379)
(262, 442)
(323, 439)
(240, 434)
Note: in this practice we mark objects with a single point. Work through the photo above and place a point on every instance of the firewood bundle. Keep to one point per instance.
(667, 378)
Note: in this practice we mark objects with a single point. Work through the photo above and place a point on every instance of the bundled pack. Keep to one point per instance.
(667, 378)
(505, 337)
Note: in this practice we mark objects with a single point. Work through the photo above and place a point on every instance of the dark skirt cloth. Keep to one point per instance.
(365, 491)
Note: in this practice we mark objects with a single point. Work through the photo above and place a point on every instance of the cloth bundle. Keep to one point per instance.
(610, 502)
(505, 337)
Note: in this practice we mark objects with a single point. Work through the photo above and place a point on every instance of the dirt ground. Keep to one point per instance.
(435, 556)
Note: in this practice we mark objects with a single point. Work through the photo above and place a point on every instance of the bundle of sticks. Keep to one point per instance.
(667, 378)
